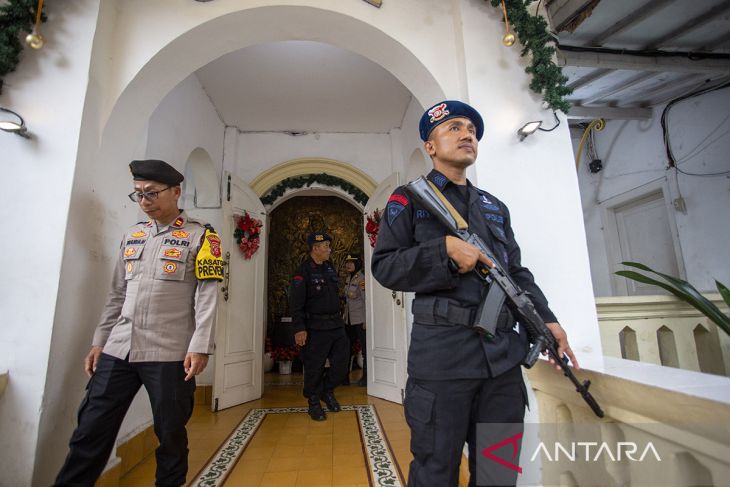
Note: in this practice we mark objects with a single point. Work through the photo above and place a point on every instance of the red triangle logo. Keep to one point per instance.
(514, 441)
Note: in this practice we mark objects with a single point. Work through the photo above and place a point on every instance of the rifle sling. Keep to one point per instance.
(460, 222)
(492, 305)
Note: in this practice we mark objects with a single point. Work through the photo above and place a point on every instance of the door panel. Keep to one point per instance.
(385, 318)
(241, 313)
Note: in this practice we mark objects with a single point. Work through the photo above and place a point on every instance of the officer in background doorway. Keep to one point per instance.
(456, 377)
(156, 331)
(318, 327)
(354, 313)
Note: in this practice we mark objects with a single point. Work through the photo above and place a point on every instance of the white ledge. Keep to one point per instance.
(630, 391)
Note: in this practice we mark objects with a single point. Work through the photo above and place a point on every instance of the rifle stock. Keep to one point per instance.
(540, 336)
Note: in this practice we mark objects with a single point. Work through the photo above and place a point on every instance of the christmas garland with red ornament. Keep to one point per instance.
(247, 234)
(372, 227)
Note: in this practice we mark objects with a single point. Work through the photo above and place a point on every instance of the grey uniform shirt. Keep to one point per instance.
(355, 295)
(157, 310)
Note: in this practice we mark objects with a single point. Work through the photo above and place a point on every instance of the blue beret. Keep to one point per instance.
(446, 110)
(317, 237)
(155, 170)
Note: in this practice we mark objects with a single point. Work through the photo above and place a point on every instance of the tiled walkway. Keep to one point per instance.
(290, 449)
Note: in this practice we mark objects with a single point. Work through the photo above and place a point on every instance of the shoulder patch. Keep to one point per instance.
(393, 210)
(398, 198)
(208, 262)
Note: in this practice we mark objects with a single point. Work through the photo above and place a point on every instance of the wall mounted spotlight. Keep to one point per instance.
(531, 127)
(16, 127)
(528, 129)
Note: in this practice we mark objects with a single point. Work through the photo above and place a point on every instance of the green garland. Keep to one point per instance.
(17, 17)
(532, 31)
(300, 181)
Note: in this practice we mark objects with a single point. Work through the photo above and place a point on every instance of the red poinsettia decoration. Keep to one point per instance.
(285, 353)
(247, 234)
(373, 226)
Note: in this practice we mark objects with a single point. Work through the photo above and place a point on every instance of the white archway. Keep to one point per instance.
(210, 40)
(201, 188)
(417, 165)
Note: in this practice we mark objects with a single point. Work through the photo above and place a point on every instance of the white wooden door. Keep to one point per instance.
(241, 314)
(387, 335)
(644, 234)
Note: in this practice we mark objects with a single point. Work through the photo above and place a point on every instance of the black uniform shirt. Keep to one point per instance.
(410, 255)
(314, 300)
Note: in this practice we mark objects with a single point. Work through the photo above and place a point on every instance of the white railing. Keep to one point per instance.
(663, 330)
(684, 415)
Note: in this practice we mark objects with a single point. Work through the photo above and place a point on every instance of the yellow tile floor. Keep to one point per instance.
(290, 449)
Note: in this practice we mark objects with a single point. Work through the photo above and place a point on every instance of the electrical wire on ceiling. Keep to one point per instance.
(672, 161)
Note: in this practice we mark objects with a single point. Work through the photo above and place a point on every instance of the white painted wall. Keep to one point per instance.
(48, 90)
(259, 152)
(535, 178)
(633, 156)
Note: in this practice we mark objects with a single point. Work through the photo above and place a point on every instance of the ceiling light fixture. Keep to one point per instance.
(18, 127)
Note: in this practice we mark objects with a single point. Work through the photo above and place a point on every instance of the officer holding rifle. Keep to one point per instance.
(456, 376)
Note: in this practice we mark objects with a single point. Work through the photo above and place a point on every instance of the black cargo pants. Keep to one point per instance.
(109, 393)
(320, 345)
(443, 415)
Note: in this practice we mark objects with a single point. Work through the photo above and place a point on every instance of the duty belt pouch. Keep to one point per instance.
(442, 312)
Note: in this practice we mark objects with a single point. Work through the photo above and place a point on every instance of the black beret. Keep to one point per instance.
(445, 110)
(155, 170)
(317, 237)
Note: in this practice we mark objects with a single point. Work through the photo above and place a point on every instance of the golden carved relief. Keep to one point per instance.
(289, 225)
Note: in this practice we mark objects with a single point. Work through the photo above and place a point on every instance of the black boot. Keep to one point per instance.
(331, 402)
(315, 409)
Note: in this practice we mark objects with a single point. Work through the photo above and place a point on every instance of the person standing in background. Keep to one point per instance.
(354, 314)
(318, 328)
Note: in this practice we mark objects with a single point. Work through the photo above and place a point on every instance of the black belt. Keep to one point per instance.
(446, 312)
(441, 311)
(323, 316)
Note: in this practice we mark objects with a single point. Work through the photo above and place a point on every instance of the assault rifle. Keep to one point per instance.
(541, 338)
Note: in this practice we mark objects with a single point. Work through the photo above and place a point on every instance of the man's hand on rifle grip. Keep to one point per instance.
(563, 346)
(465, 255)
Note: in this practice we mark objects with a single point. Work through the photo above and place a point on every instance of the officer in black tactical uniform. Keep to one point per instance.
(318, 327)
(456, 377)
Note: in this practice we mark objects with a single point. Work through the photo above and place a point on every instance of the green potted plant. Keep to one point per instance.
(684, 291)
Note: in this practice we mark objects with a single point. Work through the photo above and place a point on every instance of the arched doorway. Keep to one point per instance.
(290, 223)
(143, 88)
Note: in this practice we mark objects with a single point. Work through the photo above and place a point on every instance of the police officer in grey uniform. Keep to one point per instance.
(354, 313)
(156, 331)
(456, 377)
(314, 304)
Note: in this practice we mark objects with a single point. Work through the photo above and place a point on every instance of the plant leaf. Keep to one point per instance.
(694, 298)
(724, 292)
(684, 286)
